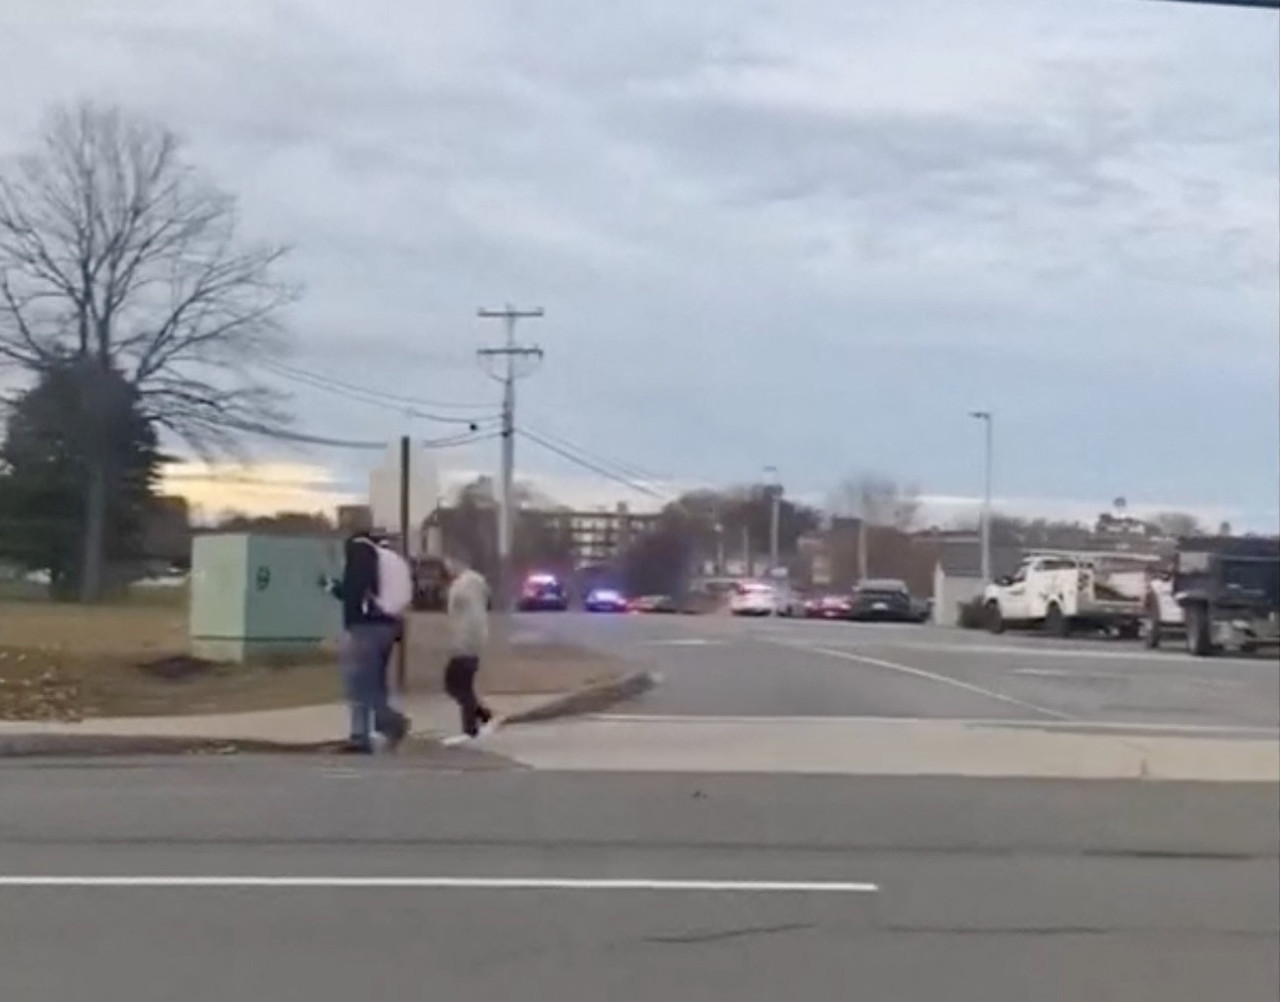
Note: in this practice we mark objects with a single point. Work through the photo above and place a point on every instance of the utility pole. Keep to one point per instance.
(402, 648)
(988, 420)
(505, 360)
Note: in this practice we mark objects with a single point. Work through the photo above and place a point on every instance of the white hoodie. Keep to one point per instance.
(468, 611)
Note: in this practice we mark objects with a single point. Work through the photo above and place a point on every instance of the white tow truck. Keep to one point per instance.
(1060, 592)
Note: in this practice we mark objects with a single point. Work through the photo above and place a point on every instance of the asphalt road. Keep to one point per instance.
(719, 666)
(963, 890)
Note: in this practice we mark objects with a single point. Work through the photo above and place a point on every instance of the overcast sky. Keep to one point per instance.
(810, 234)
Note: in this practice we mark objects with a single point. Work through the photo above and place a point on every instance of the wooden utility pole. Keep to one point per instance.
(507, 371)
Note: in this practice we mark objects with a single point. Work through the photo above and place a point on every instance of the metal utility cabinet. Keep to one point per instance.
(254, 596)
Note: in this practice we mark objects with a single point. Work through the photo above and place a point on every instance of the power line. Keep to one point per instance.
(587, 464)
(305, 439)
(377, 398)
(294, 370)
(629, 470)
(451, 441)
(216, 477)
(198, 476)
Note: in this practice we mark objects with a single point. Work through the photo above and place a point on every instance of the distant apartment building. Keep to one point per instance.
(598, 537)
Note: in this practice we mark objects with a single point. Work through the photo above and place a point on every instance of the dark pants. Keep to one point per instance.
(365, 653)
(460, 684)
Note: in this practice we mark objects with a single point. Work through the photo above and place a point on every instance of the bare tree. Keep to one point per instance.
(116, 254)
(875, 500)
(878, 500)
(1177, 523)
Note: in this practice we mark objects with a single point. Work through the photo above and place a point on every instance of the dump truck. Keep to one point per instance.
(1221, 593)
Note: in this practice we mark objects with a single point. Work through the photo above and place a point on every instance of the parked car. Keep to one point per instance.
(654, 604)
(885, 600)
(605, 600)
(763, 598)
(543, 593)
(833, 606)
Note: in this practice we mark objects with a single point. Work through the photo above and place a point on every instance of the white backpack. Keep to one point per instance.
(395, 581)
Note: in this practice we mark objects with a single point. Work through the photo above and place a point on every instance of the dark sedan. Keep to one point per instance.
(887, 601)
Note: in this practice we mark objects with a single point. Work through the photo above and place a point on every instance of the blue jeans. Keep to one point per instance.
(363, 657)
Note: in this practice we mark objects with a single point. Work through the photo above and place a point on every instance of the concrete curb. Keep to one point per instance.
(590, 699)
(46, 746)
(91, 745)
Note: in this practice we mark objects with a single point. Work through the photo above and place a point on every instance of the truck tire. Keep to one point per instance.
(1055, 623)
(1199, 631)
(994, 620)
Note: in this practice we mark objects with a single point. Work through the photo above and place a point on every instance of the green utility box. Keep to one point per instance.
(254, 596)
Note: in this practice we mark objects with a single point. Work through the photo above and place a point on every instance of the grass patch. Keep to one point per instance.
(61, 661)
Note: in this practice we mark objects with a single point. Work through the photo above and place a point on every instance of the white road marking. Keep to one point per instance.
(685, 642)
(933, 677)
(1104, 651)
(1220, 730)
(446, 883)
(1065, 673)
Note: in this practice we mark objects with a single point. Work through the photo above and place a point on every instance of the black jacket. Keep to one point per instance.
(359, 584)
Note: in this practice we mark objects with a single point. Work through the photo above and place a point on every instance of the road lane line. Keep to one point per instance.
(1105, 650)
(684, 642)
(1230, 731)
(443, 883)
(933, 677)
(1066, 673)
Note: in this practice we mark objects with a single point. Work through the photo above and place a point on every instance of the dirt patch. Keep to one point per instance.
(177, 667)
(69, 662)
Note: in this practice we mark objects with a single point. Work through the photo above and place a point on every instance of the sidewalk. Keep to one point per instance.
(433, 715)
(883, 747)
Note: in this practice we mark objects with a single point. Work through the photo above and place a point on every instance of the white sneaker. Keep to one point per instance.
(456, 740)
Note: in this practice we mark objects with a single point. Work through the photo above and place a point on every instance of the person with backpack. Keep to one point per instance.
(376, 590)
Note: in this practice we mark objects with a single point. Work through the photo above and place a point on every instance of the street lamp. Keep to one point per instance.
(988, 420)
(775, 511)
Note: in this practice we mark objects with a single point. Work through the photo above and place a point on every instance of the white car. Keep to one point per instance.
(760, 598)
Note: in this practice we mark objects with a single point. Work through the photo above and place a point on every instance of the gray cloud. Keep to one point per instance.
(810, 234)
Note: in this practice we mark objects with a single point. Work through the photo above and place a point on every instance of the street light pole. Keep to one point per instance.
(775, 516)
(988, 420)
